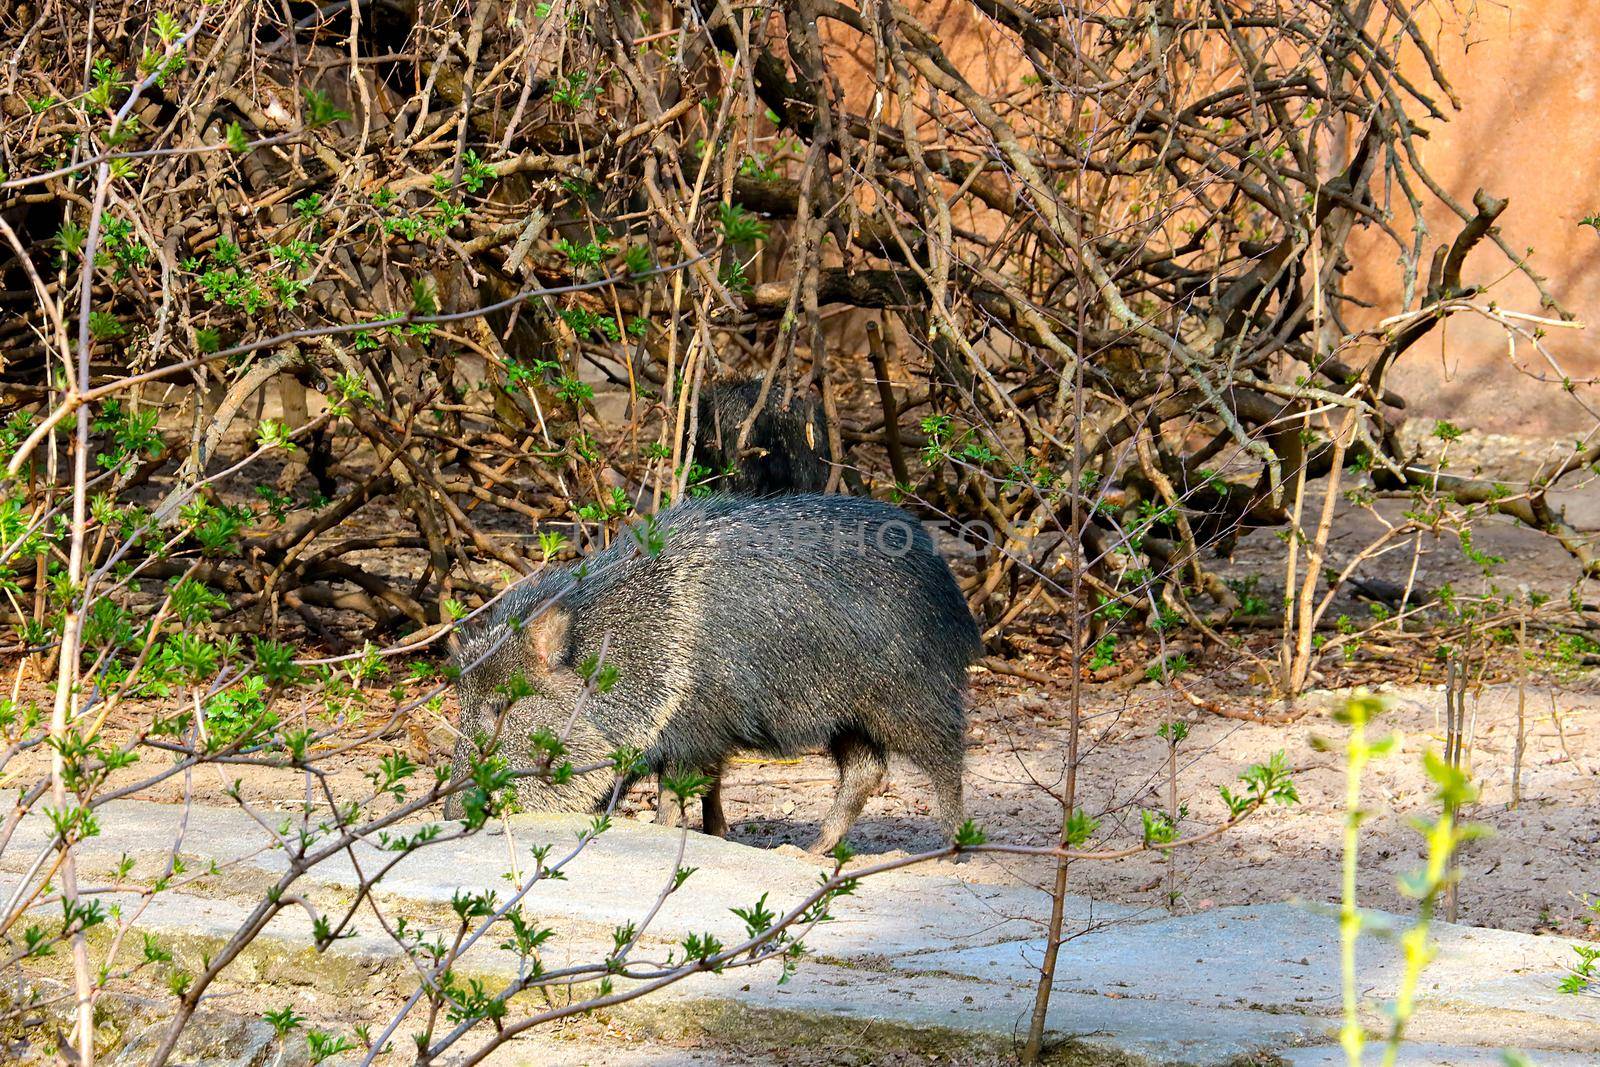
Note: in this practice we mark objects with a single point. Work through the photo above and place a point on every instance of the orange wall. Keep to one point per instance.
(1528, 75)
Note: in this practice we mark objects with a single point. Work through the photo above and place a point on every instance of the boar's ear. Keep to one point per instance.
(546, 636)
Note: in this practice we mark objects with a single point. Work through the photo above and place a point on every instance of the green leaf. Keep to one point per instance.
(687, 786)
(424, 301)
(105, 326)
(1080, 828)
(274, 433)
(320, 110)
(740, 226)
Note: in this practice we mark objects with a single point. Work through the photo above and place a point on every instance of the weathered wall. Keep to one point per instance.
(1528, 75)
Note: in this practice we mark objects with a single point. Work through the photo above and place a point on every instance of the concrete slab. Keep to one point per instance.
(1097, 1029)
(1495, 985)
(1278, 956)
(913, 953)
(846, 996)
(613, 879)
(1424, 1055)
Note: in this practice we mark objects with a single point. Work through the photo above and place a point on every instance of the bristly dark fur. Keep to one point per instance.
(786, 451)
(775, 624)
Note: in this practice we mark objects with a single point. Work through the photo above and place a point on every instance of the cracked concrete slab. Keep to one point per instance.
(1428, 1055)
(915, 952)
(1285, 958)
(616, 877)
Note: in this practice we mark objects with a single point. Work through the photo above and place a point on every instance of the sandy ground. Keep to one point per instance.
(1535, 873)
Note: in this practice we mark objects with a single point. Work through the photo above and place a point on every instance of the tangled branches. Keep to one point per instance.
(1117, 263)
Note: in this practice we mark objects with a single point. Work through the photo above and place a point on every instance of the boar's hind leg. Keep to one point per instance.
(943, 765)
(862, 765)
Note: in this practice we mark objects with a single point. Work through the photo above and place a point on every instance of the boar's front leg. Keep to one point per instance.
(669, 810)
(713, 821)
